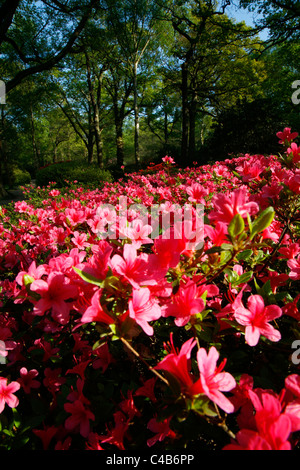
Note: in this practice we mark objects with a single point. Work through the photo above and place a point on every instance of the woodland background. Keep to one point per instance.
(113, 83)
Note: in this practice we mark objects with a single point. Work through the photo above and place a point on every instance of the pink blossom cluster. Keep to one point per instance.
(103, 335)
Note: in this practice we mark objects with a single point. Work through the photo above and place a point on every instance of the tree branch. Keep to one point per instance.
(7, 11)
(52, 61)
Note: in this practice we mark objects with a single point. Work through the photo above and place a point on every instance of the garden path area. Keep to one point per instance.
(13, 195)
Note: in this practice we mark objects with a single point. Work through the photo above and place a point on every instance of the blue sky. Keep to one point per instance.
(240, 14)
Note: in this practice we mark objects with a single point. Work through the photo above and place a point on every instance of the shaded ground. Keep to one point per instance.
(13, 195)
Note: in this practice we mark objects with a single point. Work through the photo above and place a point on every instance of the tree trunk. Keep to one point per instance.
(136, 118)
(166, 130)
(90, 147)
(95, 102)
(119, 141)
(3, 192)
(185, 112)
(36, 152)
(192, 130)
(98, 137)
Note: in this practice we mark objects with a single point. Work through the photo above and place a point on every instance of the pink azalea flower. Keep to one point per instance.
(46, 435)
(292, 383)
(139, 233)
(292, 408)
(256, 319)
(54, 293)
(246, 439)
(177, 362)
(98, 264)
(240, 395)
(167, 159)
(293, 182)
(128, 406)
(271, 423)
(144, 308)
(103, 358)
(53, 380)
(7, 394)
(184, 304)
(132, 267)
(167, 251)
(294, 151)
(286, 136)
(75, 217)
(217, 234)
(80, 240)
(197, 193)
(80, 417)
(95, 312)
(54, 192)
(291, 308)
(147, 389)
(162, 430)
(251, 169)
(294, 265)
(290, 251)
(212, 381)
(36, 272)
(225, 207)
(115, 436)
(27, 381)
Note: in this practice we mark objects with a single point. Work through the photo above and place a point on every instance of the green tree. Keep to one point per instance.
(29, 34)
(133, 23)
(34, 37)
(218, 64)
(280, 17)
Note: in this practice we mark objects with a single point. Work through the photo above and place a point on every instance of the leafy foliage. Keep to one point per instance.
(64, 173)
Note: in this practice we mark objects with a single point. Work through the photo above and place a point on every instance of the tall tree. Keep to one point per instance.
(133, 23)
(214, 53)
(79, 94)
(36, 36)
(119, 86)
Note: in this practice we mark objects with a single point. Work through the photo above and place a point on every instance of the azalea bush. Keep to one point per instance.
(120, 334)
(63, 173)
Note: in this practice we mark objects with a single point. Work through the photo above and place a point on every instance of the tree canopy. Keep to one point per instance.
(126, 82)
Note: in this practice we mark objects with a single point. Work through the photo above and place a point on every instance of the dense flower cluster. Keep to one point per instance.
(113, 338)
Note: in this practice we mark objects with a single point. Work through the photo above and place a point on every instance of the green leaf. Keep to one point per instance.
(214, 249)
(245, 277)
(226, 246)
(202, 406)
(244, 255)
(88, 277)
(231, 275)
(16, 417)
(236, 226)
(264, 219)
